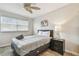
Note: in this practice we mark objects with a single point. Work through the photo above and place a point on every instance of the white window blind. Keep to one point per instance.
(22, 25)
(12, 24)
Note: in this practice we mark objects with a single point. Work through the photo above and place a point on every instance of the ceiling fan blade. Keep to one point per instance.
(29, 10)
(29, 7)
(27, 4)
(36, 8)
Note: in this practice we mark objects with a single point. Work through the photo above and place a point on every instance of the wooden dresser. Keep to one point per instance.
(58, 45)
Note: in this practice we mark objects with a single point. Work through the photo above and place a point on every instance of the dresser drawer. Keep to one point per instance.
(58, 46)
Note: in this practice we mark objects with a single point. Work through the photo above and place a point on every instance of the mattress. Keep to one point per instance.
(29, 43)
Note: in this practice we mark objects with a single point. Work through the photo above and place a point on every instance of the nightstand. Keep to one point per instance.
(58, 45)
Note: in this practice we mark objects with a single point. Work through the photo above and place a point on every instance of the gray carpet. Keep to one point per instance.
(6, 51)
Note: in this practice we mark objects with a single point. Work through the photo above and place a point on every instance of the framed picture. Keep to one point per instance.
(44, 23)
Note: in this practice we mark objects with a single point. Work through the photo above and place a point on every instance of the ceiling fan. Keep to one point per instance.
(29, 7)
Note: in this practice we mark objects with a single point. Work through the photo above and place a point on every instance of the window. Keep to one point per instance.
(8, 24)
(12, 24)
(22, 25)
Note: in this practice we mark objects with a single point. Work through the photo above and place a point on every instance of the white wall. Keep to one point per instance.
(62, 18)
(5, 37)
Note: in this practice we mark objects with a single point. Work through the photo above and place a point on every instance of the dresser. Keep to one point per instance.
(58, 45)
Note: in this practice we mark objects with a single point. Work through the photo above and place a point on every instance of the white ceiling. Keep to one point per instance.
(17, 8)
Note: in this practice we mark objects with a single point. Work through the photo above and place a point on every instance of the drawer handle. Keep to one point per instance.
(37, 51)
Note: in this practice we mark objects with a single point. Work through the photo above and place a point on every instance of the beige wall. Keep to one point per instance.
(59, 16)
(70, 32)
(64, 17)
(5, 37)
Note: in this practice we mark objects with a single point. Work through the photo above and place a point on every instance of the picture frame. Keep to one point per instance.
(44, 23)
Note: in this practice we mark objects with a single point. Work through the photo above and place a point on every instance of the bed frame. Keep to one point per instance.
(38, 50)
(35, 52)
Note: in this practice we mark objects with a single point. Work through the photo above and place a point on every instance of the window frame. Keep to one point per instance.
(16, 25)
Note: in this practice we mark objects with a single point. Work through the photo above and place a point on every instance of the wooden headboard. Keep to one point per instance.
(51, 32)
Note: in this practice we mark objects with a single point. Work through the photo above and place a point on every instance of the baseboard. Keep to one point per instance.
(4, 45)
(72, 52)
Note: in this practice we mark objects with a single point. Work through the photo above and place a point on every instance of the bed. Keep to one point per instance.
(32, 45)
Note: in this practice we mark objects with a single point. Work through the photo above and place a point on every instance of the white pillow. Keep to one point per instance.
(44, 33)
(40, 33)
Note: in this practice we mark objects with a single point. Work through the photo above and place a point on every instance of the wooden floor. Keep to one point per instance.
(53, 53)
(7, 51)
